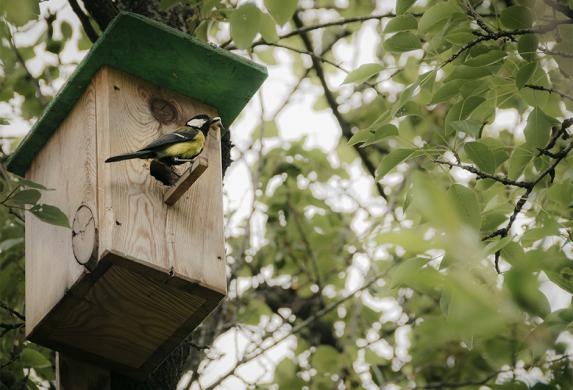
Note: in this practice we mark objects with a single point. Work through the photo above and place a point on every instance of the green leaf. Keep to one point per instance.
(462, 110)
(497, 244)
(31, 184)
(270, 130)
(488, 58)
(281, 10)
(164, 5)
(524, 74)
(202, 31)
(66, 29)
(538, 128)
(285, 375)
(465, 72)
(516, 17)
(469, 126)
(527, 46)
(520, 157)
(26, 197)
(50, 214)
(34, 359)
(401, 23)
(414, 273)
(268, 29)
(392, 159)
(481, 156)
(446, 91)
(251, 313)
(359, 136)
(436, 16)
(379, 133)
(467, 205)
(403, 6)
(346, 154)
(524, 289)
(245, 22)
(363, 73)
(372, 357)
(84, 42)
(20, 11)
(327, 359)
(565, 46)
(402, 42)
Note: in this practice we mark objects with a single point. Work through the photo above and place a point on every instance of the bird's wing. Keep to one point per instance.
(188, 134)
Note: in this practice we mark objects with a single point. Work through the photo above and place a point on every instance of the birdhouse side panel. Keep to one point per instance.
(66, 164)
(135, 221)
(204, 249)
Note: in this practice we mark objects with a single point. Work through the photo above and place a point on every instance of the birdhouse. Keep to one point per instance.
(138, 271)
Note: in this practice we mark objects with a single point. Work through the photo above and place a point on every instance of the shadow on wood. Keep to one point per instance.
(75, 375)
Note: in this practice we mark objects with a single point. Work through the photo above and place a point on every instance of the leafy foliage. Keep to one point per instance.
(437, 276)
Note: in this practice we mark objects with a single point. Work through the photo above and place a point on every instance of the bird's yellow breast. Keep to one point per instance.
(187, 149)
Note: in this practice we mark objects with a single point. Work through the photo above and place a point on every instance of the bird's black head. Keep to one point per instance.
(203, 122)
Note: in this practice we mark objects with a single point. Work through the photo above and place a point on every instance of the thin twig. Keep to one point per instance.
(485, 175)
(550, 90)
(84, 20)
(12, 311)
(298, 328)
(331, 100)
(504, 34)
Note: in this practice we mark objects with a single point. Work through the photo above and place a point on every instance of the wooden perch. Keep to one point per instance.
(183, 183)
(186, 180)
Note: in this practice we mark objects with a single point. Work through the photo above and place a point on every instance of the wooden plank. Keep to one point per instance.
(73, 374)
(125, 315)
(66, 164)
(187, 237)
(200, 212)
(165, 57)
(186, 180)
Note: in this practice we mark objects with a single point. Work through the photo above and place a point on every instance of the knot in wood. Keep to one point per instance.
(84, 237)
(163, 111)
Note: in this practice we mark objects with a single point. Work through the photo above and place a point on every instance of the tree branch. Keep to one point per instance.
(558, 157)
(560, 8)
(84, 20)
(296, 329)
(472, 12)
(485, 175)
(550, 90)
(331, 100)
(15, 313)
(504, 34)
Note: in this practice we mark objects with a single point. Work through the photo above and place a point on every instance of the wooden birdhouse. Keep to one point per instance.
(136, 273)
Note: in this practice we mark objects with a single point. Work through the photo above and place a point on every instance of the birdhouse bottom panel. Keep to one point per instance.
(125, 315)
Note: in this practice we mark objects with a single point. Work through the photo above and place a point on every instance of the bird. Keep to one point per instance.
(179, 147)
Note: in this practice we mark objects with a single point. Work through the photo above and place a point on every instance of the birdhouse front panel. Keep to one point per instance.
(133, 276)
(186, 238)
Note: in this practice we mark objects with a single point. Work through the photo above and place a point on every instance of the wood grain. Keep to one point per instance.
(160, 270)
(125, 315)
(186, 180)
(66, 164)
(84, 237)
(72, 374)
(187, 237)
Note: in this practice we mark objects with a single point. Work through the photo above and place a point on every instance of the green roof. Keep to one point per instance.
(161, 55)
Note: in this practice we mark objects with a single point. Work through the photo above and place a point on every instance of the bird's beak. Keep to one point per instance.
(216, 121)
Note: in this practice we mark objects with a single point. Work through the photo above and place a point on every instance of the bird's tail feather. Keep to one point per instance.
(128, 156)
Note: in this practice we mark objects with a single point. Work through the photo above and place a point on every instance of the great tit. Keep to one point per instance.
(179, 147)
